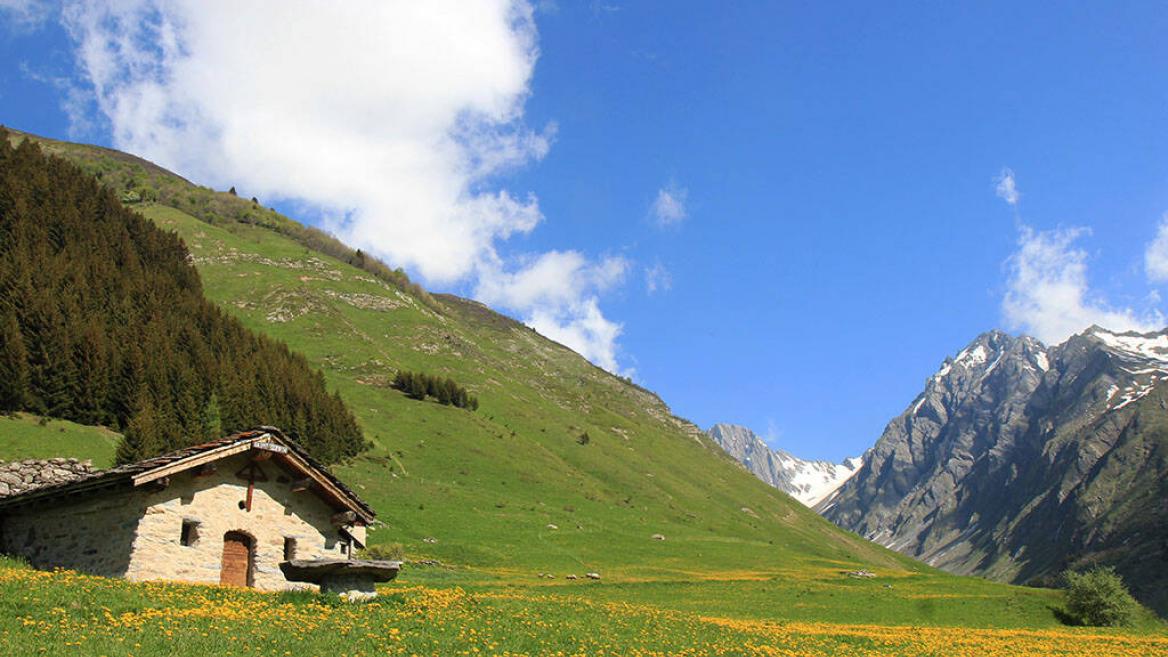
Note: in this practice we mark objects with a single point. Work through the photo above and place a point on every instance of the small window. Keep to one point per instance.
(190, 533)
(289, 548)
(344, 547)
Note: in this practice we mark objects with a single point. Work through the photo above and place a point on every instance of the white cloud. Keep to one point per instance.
(1048, 294)
(1156, 255)
(657, 278)
(391, 127)
(1007, 188)
(583, 328)
(392, 119)
(558, 294)
(552, 278)
(669, 206)
(24, 13)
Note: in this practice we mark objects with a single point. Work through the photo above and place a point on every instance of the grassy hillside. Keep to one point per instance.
(486, 485)
(25, 436)
(511, 490)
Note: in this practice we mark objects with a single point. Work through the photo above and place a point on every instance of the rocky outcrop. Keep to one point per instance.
(20, 476)
(1020, 460)
(807, 481)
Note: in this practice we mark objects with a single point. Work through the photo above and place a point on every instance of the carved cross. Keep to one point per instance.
(252, 472)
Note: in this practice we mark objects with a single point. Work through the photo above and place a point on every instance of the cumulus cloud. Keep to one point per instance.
(1048, 295)
(583, 328)
(669, 206)
(657, 277)
(553, 278)
(392, 120)
(387, 116)
(559, 293)
(1007, 188)
(1156, 255)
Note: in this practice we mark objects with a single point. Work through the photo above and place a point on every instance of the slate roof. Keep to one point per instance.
(123, 475)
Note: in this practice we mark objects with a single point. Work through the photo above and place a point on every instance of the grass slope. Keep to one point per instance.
(486, 485)
(509, 491)
(26, 436)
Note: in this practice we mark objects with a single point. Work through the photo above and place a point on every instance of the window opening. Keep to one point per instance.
(190, 533)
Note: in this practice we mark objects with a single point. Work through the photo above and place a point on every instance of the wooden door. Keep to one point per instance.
(237, 559)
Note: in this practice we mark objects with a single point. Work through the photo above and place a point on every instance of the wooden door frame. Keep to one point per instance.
(250, 542)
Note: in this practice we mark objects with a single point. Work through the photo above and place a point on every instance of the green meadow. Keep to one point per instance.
(26, 436)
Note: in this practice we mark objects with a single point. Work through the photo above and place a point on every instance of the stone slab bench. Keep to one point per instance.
(351, 579)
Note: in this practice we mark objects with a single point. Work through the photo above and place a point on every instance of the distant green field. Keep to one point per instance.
(25, 436)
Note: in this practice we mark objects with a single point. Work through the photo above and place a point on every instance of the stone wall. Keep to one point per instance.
(94, 535)
(136, 533)
(20, 476)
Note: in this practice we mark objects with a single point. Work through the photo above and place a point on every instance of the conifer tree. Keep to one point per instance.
(212, 419)
(442, 391)
(13, 366)
(144, 434)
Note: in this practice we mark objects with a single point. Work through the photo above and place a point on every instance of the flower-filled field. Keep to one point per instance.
(64, 613)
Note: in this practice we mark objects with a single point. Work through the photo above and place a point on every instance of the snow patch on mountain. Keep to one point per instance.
(970, 357)
(1041, 360)
(810, 482)
(1147, 346)
(1146, 355)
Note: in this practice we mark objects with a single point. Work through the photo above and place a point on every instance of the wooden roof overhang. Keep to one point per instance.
(266, 442)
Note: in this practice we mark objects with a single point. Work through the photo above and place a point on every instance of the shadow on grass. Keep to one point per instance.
(308, 597)
(1062, 616)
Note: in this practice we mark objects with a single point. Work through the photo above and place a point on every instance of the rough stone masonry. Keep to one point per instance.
(21, 476)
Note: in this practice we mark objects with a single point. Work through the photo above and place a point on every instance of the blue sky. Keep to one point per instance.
(779, 215)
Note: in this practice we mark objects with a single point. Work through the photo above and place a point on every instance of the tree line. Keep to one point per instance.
(103, 321)
(137, 181)
(419, 385)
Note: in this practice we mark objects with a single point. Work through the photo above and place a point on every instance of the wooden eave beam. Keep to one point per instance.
(326, 487)
(194, 461)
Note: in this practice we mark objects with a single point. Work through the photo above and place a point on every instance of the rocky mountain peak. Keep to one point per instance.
(994, 363)
(1018, 458)
(810, 482)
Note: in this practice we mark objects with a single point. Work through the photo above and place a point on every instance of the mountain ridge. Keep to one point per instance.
(808, 481)
(1019, 460)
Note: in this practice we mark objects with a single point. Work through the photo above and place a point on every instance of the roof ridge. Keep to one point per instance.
(129, 472)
